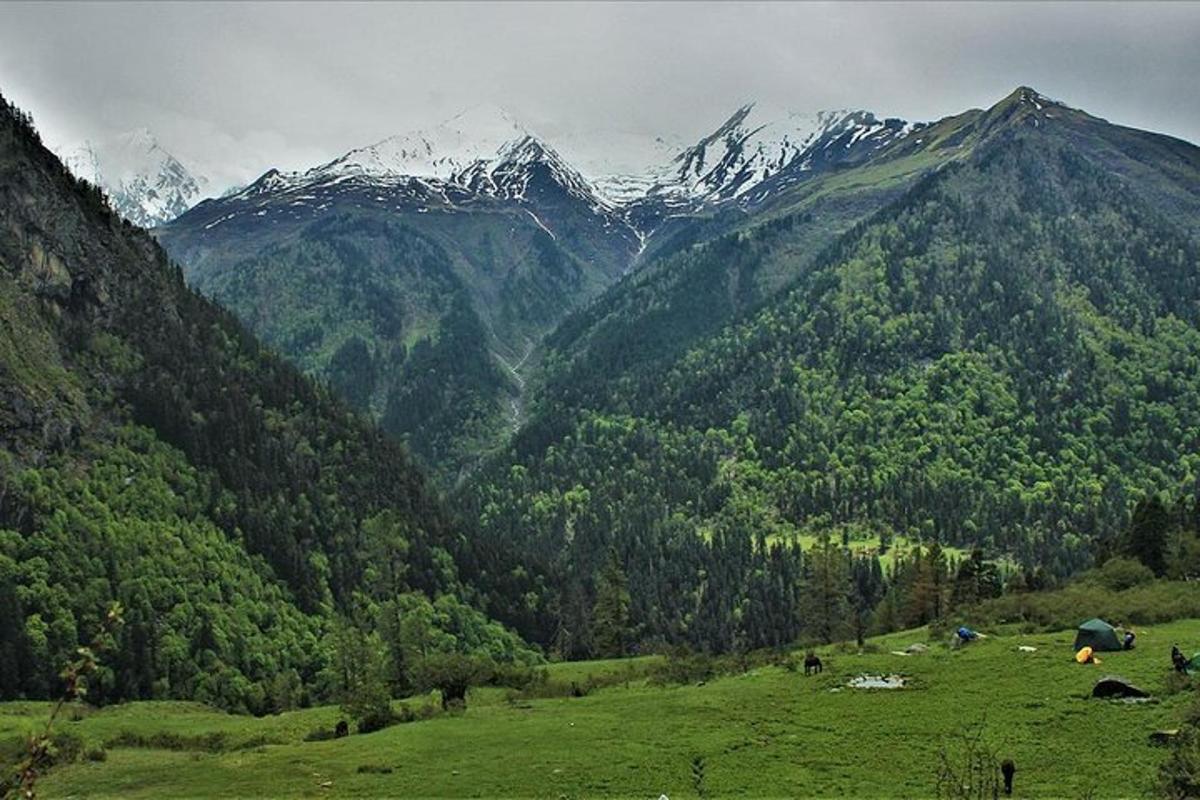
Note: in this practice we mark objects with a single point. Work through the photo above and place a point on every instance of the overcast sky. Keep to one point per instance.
(236, 89)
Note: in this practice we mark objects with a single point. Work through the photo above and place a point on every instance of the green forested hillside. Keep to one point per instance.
(152, 453)
(425, 318)
(1004, 358)
(377, 310)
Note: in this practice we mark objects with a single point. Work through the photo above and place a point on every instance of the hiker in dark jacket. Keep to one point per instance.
(1178, 660)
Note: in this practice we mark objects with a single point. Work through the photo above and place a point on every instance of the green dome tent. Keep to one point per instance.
(1098, 635)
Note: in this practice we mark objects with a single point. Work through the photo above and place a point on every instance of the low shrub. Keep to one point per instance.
(1179, 775)
(212, 742)
(519, 676)
(1119, 574)
(320, 735)
(941, 629)
(1145, 604)
(374, 769)
(1176, 682)
(684, 666)
(375, 722)
(65, 748)
(548, 687)
(96, 754)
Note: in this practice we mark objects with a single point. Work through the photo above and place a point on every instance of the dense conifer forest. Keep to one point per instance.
(157, 456)
(999, 363)
(817, 425)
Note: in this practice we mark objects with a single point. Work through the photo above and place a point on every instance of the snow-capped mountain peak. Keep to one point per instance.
(481, 152)
(757, 142)
(146, 184)
(442, 151)
(484, 155)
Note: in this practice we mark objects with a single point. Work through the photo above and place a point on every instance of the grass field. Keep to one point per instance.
(769, 732)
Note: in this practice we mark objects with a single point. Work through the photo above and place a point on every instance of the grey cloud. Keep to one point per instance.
(240, 88)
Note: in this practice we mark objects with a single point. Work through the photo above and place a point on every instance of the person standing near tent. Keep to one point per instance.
(1127, 643)
(1177, 659)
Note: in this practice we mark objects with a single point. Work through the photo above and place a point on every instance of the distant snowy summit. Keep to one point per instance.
(758, 145)
(485, 151)
(146, 184)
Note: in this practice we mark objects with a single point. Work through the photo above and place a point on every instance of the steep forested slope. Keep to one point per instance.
(421, 300)
(152, 453)
(1004, 357)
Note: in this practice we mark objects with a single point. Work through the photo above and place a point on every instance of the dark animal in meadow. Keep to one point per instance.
(812, 664)
(342, 729)
(1177, 659)
(1008, 769)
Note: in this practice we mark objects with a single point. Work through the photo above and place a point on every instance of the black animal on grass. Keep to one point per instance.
(342, 729)
(812, 664)
(1177, 659)
(1008, 769)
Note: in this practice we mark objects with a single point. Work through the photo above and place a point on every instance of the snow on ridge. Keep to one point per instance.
(483, 149)
(757, 143)
(145, 183)
(443, 151)
(486, 151)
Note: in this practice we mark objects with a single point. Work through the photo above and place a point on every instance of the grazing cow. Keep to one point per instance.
(342, 729)
(812, 664)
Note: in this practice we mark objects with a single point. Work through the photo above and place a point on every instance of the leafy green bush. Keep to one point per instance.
(1176, 682)
(374, 769)
(1119, 574)
(683, 666)
(1179, 775)
(66, 748)
(1145, 604)
(375, 721)
(451, 674)
(518, 676)
(212, 742)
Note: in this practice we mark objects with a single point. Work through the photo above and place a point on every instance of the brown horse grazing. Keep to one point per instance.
(812, 664)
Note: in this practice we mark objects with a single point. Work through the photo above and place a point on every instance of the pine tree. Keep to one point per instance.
(868, 588)
(1147, 540)
(828, 591)
(975, 580)
(610, 615)
(927, 600)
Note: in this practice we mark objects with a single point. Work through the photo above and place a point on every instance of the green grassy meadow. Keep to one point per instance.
(769, 732)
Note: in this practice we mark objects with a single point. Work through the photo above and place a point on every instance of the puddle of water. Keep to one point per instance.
(877, 682)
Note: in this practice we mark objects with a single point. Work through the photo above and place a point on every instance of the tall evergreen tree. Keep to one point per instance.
(975, 580)
(610, 614)
(1148, 532)
(828, 591)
